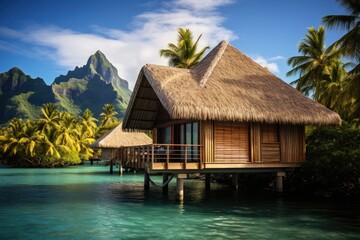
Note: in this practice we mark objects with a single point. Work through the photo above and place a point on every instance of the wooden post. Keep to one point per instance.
(120, 169)
(180, 187)
(111, 166)
(165, 188)
(146, 181)
(235, 180)
(279, 181)
(207, 181)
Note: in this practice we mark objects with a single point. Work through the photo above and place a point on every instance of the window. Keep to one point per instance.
(164, 135)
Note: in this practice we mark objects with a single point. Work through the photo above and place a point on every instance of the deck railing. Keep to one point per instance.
(162, 156)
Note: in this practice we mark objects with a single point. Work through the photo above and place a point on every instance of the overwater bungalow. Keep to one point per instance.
(227, 114)
(114, 140)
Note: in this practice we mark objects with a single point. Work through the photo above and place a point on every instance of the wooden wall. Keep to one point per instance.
(206, 139)
(292, 140)
(231, 142)
(270, 143)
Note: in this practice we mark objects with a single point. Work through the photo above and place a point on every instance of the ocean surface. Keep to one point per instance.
(86, 202)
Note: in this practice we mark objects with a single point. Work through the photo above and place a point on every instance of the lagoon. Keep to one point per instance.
(86, 202)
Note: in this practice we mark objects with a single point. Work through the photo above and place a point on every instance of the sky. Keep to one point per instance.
(47, 38)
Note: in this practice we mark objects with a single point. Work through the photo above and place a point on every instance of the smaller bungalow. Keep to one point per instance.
(113, 141)
(227, 114)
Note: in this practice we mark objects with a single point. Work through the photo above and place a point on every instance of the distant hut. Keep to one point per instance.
(227, 114)
(115, 139)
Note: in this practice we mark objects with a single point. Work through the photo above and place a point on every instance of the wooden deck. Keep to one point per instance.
(185, 158)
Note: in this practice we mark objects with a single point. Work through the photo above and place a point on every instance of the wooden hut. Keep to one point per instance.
(113, 141)
(226, 114)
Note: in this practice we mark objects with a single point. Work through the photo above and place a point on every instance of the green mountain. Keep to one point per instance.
(22, 96)
(90, 86)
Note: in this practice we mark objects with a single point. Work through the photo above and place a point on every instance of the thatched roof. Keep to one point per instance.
(226, 86)
(117, 138)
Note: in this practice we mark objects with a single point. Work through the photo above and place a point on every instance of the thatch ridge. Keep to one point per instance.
(227, 85)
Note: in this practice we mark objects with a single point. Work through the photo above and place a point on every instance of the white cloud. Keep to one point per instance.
(273, 67)
(203, 4)
(277, 58)
(130, 50)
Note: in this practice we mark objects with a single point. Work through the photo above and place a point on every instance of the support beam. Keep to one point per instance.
(279, 181)
(111, 166)
(207, 181)
(146, 181)
(180, 187)
(165, 188)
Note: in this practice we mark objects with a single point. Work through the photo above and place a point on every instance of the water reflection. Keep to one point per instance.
(88, 203)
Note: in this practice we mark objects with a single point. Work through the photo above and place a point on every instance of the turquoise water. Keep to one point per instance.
(86, 202)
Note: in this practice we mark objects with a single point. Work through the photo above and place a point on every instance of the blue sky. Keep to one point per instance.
(46, 38)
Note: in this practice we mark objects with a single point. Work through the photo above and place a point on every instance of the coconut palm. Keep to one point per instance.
(84, 139)
(184, 54)
(89, 122)
(109, 115)
(314, 65)
(49, 117)
(67, 131)
(333, 94)
(10, 141)
(31, 139)
(349, 43)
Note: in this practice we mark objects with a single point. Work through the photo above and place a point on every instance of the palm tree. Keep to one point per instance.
(184, 54)
(84, 139)
(67, 131)
(314, 65)
(333, 94)
(108, 117)
(31, 139)
(49, 117)
(89, 122)
(349, 43)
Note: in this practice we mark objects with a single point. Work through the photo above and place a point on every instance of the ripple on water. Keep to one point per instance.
(87, 203)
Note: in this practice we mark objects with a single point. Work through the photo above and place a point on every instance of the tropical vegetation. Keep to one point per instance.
(184, 54)
(55, 139)
(323, 74)
(333, 157)
(332, 168)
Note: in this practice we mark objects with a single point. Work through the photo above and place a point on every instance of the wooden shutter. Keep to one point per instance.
(270, 145)
(231, 142)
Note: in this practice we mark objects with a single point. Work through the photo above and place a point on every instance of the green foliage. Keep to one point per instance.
(332, 167)
(184, 54)
(322, 73)
(56, 139)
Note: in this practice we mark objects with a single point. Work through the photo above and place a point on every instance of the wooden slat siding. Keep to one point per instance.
(292, 139)
(270, 145)
(231, 142)
(255, 142)
(207, 135)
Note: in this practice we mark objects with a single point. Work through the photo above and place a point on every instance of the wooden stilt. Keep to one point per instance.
(235, 180)
(111, 166)
(180, 187)
(165, 188)
(279, 181)
(207, 181)
(120, 169)
(146, 181)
